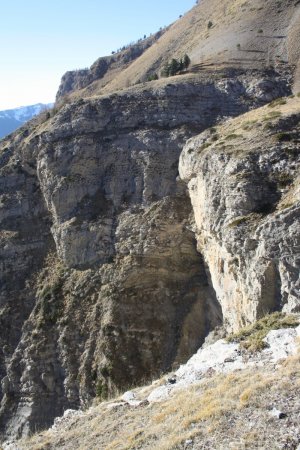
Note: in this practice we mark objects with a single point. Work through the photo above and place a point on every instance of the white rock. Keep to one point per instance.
(130, 398)
(225, 357)
(10, 446)
(281, 343)
(69, 414)
(159, 394)
(277, 413)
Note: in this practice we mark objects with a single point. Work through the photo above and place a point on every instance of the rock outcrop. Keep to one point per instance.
(102, 284)
(243, 180)
(105, 68)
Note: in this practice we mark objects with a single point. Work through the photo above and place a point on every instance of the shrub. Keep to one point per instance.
(101, 390)
(232, 136)
(210, 24)
(152, 77)
(276, 102)
(283, 137)
(238, 221)
(174, 67)
(186, 61)
(205, 145)
(251, 337)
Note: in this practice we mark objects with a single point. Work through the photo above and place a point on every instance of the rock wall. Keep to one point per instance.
(101, 284)
(243, 180)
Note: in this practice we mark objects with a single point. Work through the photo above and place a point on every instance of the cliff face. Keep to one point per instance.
(243, 180)
(102, 284)
(104, 69)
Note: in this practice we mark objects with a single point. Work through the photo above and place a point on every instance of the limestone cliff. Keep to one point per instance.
(243, 180)
(112, 268)
(101, 281)
(105, 69)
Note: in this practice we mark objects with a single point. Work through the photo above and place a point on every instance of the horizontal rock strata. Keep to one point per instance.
(243, 180)
(101, 281)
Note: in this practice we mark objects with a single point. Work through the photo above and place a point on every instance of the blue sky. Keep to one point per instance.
(42, 39)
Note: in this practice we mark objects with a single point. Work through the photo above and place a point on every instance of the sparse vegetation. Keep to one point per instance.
(238, 221)
(277, 102)
(152, 77)
(213, 411)
(272, 115)
(248, 125)
(49, 294)
(101, 390)
(284, 180)
(232, 136)
(251, 337)
(51, 302)
(283, 137)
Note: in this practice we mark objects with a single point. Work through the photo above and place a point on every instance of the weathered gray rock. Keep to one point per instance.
(102, 284)
(243, 183)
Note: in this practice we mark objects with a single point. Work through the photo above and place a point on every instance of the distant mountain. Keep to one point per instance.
(11, 119)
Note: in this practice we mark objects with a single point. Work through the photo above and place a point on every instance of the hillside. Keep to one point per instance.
(11, 119)
(217, 36)
(224, 397)
(141, 220)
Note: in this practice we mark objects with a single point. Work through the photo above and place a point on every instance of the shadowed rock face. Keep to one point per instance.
(101, 282)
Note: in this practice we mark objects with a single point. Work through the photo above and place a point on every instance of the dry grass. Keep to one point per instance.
(251, 337)
(232, 41)
(197, 413)
(249, 126)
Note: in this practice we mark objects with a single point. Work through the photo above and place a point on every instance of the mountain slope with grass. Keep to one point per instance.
(217, 35)
(231, 397)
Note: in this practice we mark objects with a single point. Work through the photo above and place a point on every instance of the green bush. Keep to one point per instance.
(101, 390)
(174, 66)
(232, 136)
(283, 137)
(186, 61)
(152, 77)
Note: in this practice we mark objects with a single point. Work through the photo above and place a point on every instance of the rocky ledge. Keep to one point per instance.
(243, 181)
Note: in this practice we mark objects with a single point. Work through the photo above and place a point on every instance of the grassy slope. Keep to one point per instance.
(244, 33)
(219, 411)
(248, 34)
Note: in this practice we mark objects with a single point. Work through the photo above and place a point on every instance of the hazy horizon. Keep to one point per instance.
(42, 42)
